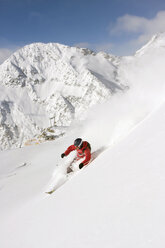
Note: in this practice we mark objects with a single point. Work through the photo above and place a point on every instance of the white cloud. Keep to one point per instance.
(128, 23)
(136, 31)
(136, 24)
(141, 28)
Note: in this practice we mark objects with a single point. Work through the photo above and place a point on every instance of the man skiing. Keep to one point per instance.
(83, 149)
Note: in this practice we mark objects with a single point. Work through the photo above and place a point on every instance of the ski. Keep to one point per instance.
(50, 192)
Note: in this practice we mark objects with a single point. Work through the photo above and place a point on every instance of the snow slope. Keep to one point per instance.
(118, 200)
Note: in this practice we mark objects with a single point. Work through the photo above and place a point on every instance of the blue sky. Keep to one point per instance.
(115, 26)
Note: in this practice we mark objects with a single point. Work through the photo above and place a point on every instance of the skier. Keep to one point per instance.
(83, 151)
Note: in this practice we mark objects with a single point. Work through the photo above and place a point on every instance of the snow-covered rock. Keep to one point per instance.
(44, 85)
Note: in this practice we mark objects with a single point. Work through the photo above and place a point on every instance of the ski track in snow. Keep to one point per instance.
(60, 175)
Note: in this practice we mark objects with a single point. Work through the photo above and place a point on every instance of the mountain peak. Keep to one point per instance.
(41, 81)
(157, 41)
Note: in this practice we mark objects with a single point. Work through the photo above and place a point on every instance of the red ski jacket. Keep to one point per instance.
(81, 152)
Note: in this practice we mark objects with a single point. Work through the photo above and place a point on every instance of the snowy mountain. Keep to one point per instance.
(50, 85)
(118, 199)
(45, 87)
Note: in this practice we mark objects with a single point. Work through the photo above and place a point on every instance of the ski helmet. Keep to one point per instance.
(78, 142)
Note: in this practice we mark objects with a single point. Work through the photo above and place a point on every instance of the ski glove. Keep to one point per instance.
(81, 165)
(63, 155)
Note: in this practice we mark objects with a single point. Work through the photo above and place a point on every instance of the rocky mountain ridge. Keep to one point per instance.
(50, 85)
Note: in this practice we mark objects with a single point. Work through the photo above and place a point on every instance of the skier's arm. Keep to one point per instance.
(87, 157)
(70, 149)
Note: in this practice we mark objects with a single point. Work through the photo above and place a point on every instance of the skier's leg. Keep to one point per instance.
(69, 168)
